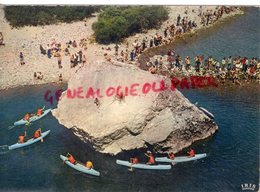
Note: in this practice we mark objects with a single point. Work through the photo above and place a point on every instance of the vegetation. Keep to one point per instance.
(19, 16)
(115, 23)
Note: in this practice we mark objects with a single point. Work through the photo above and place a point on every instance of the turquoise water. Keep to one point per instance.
(233, 151)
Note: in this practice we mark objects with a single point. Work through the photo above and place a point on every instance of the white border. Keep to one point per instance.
(131, 2)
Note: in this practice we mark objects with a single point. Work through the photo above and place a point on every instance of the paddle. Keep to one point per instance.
(11, 127)
(4, 149)
(66, 159)
(131, 169)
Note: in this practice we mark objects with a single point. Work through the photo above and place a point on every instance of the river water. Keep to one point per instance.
(233, 152)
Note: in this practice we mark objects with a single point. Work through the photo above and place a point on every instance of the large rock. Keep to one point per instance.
(164, 119)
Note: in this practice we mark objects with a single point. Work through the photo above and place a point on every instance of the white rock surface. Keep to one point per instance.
(164, 119)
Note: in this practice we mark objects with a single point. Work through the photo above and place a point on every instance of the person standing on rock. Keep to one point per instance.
(116, 49)
(21, 59)
(59, 61)
(178, 20)
(132, 55)
(83, 60)
(48, 51)
(187, 63)
(151, 42)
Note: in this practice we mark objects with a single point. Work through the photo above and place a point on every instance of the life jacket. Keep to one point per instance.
(26, 117)
(89, 165)
(71, 159)
(37, 134)
(21, 139)
(39, 112)
(172, 156)
(192, 153)
(151, 159)
(134, 161)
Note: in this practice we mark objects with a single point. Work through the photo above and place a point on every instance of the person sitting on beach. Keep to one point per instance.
(74, 44)
(191, 153)
(171, 155)
(27, 117)
(89, 165)
(21, 138)
(151, 157)
(152, 69)
(38, 75)
(39, 112)
(37, 133)
(43, 51)
(71, 159)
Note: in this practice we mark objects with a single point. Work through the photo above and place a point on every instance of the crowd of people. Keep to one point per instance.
(182, 25)
(233, 68)
(211, 16)
(69, 49)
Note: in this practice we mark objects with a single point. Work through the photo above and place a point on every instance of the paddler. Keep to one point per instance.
(171, 155)
(39, 112)
(27, 117)
(133, 160)
(151, 157)
(21, 138)
(37, 133)
(71, 159)
(89, 165)
(191, 153)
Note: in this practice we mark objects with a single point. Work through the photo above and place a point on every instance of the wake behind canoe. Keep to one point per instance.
(180, 159)
(143, 166)
(28, 142)
(80, 167)
(34, 118)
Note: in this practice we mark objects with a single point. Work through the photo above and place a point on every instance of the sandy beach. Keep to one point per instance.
(28, 40)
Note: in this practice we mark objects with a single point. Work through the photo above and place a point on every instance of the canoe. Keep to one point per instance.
(210, 115)
(28, 142)
(80, 167)
(34, 118)
(143, 166)
(180, 159)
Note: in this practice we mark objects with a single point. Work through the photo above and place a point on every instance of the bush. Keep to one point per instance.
(115, 23)
(19, 16)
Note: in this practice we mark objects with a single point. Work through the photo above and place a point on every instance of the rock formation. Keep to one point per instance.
(135, 116)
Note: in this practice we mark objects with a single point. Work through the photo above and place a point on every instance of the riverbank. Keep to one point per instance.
(34, 67)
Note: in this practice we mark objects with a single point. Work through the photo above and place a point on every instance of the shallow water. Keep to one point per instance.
(233, 151)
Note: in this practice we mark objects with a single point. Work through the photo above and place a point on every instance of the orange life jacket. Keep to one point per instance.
(72, 160)
(134, 160)
(89, 165)
(39, 112)
(151, 159)
(37, 134)
(26, 117)
(21, 139)
(192, 153)
(171, 156)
